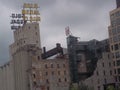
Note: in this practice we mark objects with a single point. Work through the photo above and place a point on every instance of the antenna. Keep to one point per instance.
(67, 31)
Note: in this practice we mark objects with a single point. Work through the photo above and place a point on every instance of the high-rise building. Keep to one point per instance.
(114, 38)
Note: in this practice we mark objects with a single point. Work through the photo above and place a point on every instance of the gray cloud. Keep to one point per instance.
(86, 19)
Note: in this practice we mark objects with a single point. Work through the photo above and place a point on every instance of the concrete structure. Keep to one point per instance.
(114, 38)
(83, 56)
(27, 70)
(103, 74)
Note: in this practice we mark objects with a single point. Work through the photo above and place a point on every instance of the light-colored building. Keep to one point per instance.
(114, 38)
(103, 74)
(27, 70)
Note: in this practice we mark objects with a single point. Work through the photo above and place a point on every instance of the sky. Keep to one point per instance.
(87, 19)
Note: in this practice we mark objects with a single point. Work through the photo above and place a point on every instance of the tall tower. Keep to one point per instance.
(26, 35)
(25, 47)
(114, 38)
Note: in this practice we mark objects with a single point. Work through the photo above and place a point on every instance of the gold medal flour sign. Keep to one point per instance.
(30, 12)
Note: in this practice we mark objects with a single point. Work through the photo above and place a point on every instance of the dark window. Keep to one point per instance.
(65, 80)
(112, 47)
(97, 73)
(116, 79)
(51, 65)
(36, 33)
(59, 80)
(29, 27)
(98, 81)
(98, 87)
(119, 78)
(116, 46)
(104, 72)
(105, 80)
(115, 71)
(46, 73)
(108, 56)
(118, 63)
(34, 75)
(64, 65)
(52, 72)
(38, 57)
(58, 66)
(103, 64)
(48, 88)
(36, 41)
(117, 54)
(58, 72)
(35, 27)
(46, 66)
(110, 72)
(114, 63)
(64, 72)
(109, 64)
(34, 83)
(47, 81)
(118, 70)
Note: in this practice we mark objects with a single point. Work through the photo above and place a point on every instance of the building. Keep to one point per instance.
(102, 77)
(114, 38)
(30, 68)
(83, 56)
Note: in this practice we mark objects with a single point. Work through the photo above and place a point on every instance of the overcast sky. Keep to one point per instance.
(87, 19)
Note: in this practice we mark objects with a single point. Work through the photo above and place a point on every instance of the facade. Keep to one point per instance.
(83, 56)
(102, 77)
(114, 38)
(27, 70)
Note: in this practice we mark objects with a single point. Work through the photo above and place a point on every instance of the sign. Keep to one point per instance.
(16, 21)
(30, 12)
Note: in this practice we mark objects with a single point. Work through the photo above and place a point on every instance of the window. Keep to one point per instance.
(114, 63)
(104, 72)
(35, 27)
(105, 80)
(29, 27)
(117, 54)
(103, 64)
(115, 71)
(36, 41)
(64, 65)
(48, 88)
(58, 72)
(108, 56)
(109, 64)
(118, 63)
(34, 75)
(47, 81)
(110, 72)
(46, 66)
(65, 80)
(64, 72)
(51, 65)
(98, 81)
(52, 72)
(59, 80)
(34, 83)
(38, 57)
(116, 46)
(98, 87)
(36, 33)
(58, 66)
(118, 70)
(97, 73)
(46, 73)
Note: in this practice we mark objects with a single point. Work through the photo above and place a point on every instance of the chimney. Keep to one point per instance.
(118, 3)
